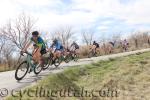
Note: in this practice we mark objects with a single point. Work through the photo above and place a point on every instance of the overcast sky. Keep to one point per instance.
(100, 16)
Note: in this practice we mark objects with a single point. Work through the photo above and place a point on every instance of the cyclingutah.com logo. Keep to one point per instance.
(68, 92)
(3, 92)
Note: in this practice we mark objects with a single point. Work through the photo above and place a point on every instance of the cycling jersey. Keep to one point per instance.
(75, 45)
(112, 43)
(40, 43)
(96, 44)
(57, 45)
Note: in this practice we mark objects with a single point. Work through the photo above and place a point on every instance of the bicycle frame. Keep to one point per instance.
(28, 59)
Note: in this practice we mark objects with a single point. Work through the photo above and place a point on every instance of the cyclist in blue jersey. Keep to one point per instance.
(58, 48)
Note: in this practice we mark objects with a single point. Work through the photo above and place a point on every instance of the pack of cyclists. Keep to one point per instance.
(40, 48)
(125, 45)
(42, 56)
(57, 47)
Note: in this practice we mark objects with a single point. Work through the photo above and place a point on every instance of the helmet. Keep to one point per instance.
(36, 33)
(55, 40)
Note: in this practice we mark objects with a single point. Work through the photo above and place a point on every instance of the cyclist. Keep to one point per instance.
(112, 43)
(95, 46)
(58, 48)
(74, 47)
(125, 44)
(39, 47)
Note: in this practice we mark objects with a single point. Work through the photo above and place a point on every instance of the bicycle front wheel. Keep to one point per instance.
(76, 57)
(37, 69)
(48, 63)
(67, 59)
(21, 70)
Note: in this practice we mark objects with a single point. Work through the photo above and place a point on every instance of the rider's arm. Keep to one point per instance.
(72, 45)
(27, 46)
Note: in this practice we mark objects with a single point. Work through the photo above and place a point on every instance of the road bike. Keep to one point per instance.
(27, 66)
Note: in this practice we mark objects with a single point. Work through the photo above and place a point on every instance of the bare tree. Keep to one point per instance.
(139, 39)
(18, 31)
(116, 37)
(7, 54)
(6, 51)
(2, 44)
(145, 37)
(87, 37)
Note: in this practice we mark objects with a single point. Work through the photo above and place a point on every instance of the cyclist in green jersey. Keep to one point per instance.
(41, 47)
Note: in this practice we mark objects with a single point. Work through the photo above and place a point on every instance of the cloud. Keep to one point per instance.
(7, 9)
(99, 15)
(102, 28)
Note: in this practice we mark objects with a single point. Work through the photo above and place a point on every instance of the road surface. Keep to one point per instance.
(7, 79)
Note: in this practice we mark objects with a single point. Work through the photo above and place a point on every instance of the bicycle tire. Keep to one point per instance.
(16, 72)
(67, 59)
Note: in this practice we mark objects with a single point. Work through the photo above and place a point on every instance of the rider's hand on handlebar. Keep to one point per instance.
(22, 51)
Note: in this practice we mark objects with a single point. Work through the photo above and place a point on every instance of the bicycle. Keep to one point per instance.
(71, 56)
(65, 57)
(48, 61)
(27, 66)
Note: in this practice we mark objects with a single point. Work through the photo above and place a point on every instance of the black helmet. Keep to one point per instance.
(36, 33)
(55, 40)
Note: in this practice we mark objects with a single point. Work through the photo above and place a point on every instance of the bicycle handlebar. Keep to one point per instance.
(26, 53)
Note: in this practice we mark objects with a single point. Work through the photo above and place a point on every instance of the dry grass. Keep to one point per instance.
(5, 68)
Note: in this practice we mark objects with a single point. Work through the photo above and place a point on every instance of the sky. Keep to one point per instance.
(102, 17)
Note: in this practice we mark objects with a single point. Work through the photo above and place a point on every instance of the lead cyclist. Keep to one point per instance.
(40, 50)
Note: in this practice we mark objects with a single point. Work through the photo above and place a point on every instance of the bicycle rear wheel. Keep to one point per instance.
(57, 62)
(21, 70)
(67, 58)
